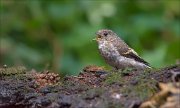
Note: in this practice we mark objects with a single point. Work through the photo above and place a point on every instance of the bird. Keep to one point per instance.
(117, 53)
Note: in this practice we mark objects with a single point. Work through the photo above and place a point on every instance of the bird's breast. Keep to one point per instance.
(108, 51)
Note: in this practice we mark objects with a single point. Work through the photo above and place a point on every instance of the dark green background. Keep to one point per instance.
(57, 35)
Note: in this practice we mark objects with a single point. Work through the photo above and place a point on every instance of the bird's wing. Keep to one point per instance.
(130, 53)
(126, 51)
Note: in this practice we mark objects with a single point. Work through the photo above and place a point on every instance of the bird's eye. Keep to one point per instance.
(105, 34)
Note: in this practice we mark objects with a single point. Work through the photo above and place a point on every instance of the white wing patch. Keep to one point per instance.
(131, 50)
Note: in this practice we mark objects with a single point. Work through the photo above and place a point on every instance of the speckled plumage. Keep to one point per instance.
(116, 52)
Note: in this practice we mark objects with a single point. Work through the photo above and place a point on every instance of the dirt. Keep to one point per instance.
(94, 87)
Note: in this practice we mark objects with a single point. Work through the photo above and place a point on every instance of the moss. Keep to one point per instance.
(144, 88)
(126, 71)
(12, 71)
(114, 77)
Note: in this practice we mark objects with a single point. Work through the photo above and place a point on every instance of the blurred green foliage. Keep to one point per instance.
(57, 34)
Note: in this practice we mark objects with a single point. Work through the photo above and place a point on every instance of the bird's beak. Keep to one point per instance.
(97, 38)
(94, 39)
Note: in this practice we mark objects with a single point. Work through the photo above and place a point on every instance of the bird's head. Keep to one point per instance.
(104, 35)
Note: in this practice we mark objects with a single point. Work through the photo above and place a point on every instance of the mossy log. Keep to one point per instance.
(94, 87)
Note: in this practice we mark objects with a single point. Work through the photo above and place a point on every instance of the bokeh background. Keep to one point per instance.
(57, 34)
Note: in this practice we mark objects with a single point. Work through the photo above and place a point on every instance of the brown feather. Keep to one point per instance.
(123, 49)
